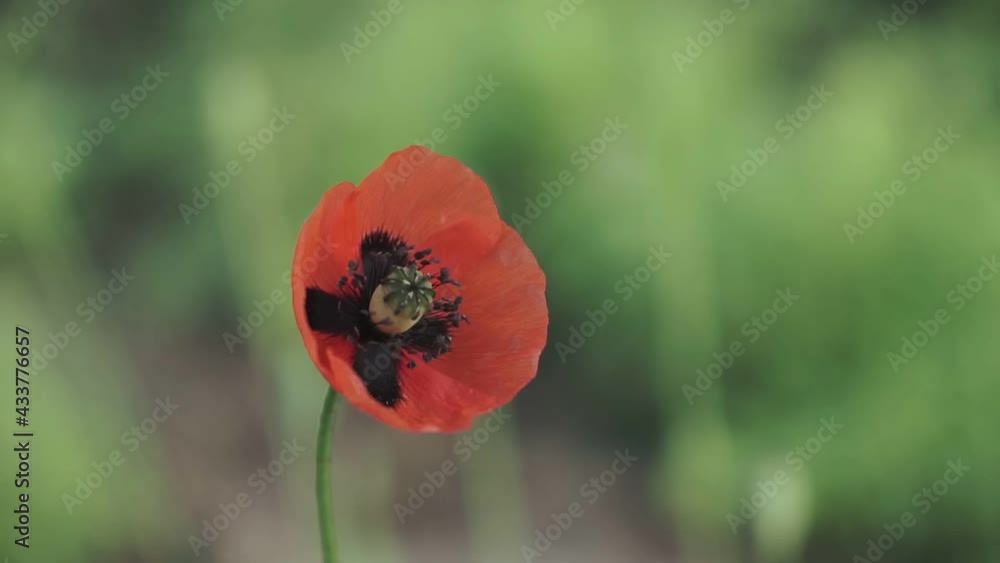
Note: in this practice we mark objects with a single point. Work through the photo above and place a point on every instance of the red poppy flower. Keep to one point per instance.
(414, 299)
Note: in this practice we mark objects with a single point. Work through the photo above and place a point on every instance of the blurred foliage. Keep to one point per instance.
(655, 185)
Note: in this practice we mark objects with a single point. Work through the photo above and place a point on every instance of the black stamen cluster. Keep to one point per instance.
(344, 313)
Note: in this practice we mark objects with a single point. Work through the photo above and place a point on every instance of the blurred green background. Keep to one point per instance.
(697, 86)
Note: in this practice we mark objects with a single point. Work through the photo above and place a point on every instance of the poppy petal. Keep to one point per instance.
(431, 402)
(416, 192)
(503, 295)
(324, 247)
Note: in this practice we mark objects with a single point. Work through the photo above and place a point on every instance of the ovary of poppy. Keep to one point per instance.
(459, 318)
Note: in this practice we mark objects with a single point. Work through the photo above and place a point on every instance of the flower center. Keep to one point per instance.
(392, 313)
(402, 299)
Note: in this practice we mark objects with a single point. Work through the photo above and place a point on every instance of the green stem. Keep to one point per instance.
(324, 493)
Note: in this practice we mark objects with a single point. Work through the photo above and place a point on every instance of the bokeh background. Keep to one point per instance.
(562, 71)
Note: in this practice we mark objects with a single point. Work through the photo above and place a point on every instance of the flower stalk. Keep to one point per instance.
(324, 490)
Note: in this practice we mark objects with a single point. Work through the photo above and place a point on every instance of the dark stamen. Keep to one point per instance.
(379, 357)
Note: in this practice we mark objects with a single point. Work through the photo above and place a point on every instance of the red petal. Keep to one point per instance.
(324, 247)
(503, 291)
(431, 401)
(416, 192)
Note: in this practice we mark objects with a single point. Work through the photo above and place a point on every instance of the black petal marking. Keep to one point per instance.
(330, 313)
(379, 356)
(378, 366)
